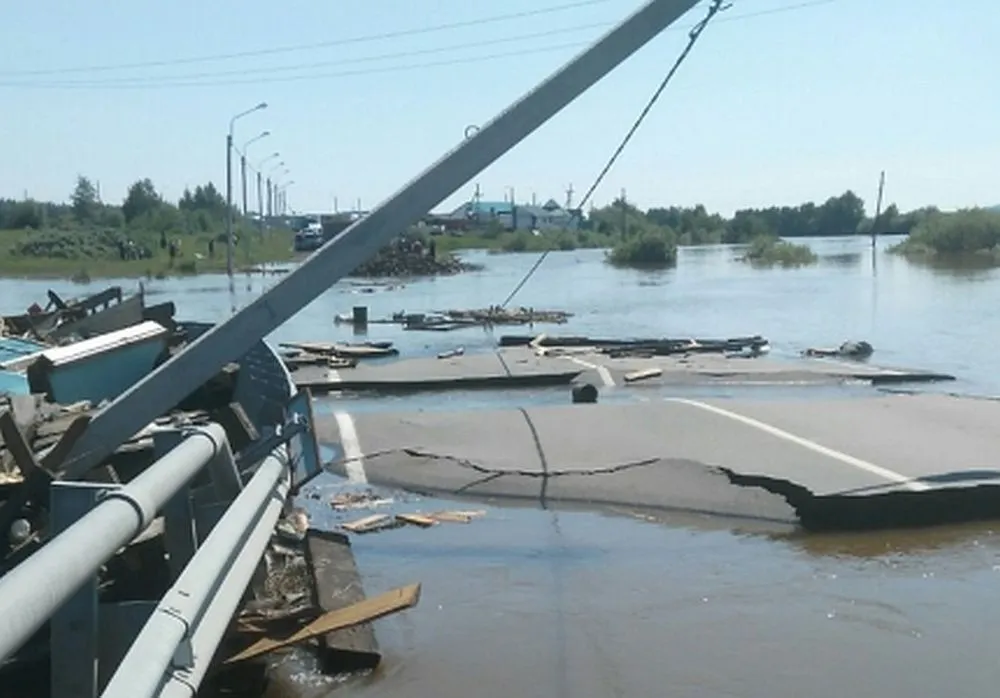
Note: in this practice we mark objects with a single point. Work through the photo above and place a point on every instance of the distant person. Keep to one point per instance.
(211, 248)
(172, 251)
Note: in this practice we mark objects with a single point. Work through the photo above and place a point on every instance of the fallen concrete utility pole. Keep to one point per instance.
(176, 379)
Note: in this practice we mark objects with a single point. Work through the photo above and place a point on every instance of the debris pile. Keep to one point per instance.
(333, 355)
(639, 348)
(446, 320)
(405, 257)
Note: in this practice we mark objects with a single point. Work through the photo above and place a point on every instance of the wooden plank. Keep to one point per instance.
(369, 523)
(362, 612)
(457, 516)
(16, 445)
(417, 520)
(239, 428)
(643, 375)
(337, 584)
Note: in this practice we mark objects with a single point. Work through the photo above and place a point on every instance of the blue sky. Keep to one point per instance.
(771, 108)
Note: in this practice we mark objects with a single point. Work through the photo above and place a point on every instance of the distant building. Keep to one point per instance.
(549, 216)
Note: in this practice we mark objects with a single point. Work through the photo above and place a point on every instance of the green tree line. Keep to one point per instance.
(145, 226)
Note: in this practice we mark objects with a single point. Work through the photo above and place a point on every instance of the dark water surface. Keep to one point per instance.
(528, 602)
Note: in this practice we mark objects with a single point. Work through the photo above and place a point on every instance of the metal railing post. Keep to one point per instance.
(32, 591)
(74, 630)
(168, 633)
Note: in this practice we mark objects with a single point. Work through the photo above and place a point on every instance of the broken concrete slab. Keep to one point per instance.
(829, 464)
(526, 367)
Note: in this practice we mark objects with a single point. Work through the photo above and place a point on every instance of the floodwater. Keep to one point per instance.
(531, 602)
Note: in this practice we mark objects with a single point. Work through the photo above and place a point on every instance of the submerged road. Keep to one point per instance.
(871, 462)
(524, 367)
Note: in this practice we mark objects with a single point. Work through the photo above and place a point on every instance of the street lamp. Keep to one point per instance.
(282, 200)
(229, 184)
(260, 188)
(270, 189)
(243, 166)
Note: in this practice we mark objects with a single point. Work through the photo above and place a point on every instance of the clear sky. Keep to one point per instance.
(781, 101)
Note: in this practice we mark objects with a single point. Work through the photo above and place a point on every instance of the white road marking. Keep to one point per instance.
(907, 482)
(602, 371)
(354, 457)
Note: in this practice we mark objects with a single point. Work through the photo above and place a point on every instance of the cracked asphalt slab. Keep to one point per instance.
(873, 462)
(521, 366)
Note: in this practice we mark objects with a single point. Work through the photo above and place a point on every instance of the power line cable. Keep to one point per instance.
(195, 80)
(141, 81)
(311, 46)
(715, 7)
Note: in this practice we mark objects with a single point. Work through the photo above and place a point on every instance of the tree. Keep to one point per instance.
(84, 200)
(142, 199)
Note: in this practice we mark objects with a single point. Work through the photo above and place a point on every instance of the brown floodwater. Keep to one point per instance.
(532, 602)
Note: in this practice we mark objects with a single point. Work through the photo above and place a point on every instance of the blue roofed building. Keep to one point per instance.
(549, 216)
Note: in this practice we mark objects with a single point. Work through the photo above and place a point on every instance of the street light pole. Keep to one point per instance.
(229, 186)
(243, 166)
(270, 189)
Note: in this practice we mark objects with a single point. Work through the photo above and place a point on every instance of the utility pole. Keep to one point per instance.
(878, 208)
(569, 197)
(260, 204)
(168, 384)
(270, 199)
(229, 191)
(243, 178)
(624, 215)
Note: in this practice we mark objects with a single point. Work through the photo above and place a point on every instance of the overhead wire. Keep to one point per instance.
(382, 36)
(210, 79)
(715, 7)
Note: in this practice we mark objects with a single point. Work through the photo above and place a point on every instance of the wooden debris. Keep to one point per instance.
(239, 428)
(375, 522)
(644, 374)
(457, 516)
(416, 519)
(366, 499)
(362, 612)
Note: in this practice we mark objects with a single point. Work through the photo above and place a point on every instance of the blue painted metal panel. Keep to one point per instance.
(303, 448)
(12, 383)
(14, 348)
(106, 376)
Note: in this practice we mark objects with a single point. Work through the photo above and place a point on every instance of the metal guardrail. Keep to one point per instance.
(76, 554)
(215, 535)
(167, 642)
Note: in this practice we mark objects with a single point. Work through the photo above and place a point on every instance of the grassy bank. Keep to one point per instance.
(82, 255)
(769, 251)
(957, 236)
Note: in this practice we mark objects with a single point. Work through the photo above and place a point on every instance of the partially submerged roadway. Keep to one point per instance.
(522, 367)
(871, 462)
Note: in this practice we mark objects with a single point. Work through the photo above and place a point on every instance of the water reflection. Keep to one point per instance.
(898, 542)
(845, 259)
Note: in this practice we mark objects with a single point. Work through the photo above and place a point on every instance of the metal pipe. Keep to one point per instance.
(32, 591)
(184, 682)
(141, 672)
(175, 379)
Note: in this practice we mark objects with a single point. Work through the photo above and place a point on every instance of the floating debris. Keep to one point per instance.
(447, 320)
(847, 350)
(375, 522)
(367, 499)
